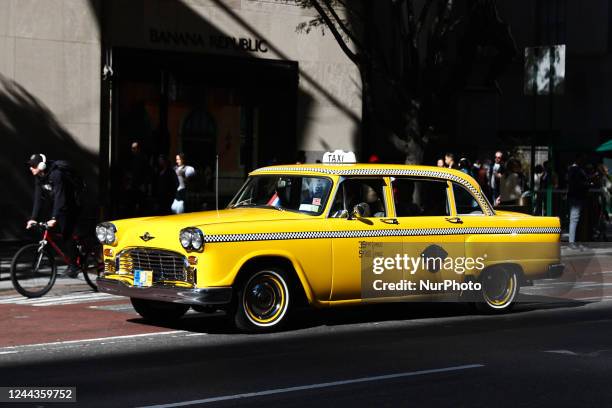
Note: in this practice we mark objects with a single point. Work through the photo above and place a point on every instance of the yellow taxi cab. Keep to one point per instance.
(303, 234)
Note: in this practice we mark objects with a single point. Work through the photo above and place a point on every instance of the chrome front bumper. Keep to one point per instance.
(197, 296)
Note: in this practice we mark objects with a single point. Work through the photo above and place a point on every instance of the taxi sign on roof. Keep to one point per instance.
(339, 157)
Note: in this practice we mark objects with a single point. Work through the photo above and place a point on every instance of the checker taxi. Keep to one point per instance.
(297, 235)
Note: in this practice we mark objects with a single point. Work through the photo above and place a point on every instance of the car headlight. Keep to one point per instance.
(106, 233)
(197, 240)
(101, 233)
(185, 238)
(192, 239)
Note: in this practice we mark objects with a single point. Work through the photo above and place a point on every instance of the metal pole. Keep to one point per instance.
(217, 183)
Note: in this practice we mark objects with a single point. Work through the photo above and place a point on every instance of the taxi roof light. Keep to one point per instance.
(339, 157)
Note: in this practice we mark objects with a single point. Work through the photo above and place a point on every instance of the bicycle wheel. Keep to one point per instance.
(93, 266)
(33, 271)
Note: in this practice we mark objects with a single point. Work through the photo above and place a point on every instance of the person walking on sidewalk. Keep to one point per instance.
(184, 174)
(495, 175)
(577, 191)
(57, 187)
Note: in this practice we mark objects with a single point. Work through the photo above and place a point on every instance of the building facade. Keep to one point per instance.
(576, 120)
(82, 80)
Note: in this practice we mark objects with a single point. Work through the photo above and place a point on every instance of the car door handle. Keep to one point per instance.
(455, 220)
(393, 221)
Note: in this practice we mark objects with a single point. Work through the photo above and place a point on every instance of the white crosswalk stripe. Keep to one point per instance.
(55, 300)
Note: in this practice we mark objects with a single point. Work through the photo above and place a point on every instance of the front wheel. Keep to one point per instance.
(263, 301)
(156, 311)
(33, 271)
(500, 288)
(92, 266)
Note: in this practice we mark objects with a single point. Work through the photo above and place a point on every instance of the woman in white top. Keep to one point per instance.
(183, 174)
(511, 184)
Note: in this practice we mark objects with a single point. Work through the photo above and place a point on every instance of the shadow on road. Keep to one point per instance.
(420, 313)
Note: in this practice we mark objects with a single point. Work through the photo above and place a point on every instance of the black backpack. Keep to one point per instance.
(74, 178)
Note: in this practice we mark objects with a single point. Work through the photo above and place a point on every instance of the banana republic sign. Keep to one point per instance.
(214, 41)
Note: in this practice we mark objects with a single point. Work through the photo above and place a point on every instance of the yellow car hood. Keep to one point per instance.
(164, 229)
(203, 218)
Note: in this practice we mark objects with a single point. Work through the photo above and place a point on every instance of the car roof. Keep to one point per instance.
(363, 169)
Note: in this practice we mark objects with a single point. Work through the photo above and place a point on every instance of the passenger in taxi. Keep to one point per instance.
(358, 196)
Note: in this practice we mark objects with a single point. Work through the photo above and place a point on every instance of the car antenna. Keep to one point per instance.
(217, 184)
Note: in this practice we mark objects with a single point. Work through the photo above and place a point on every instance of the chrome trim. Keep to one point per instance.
(374, 233)
(166, 265)
(173, 294)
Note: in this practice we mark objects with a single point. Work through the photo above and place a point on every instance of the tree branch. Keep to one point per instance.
(351, 9)
(341, 24)
(330, 24)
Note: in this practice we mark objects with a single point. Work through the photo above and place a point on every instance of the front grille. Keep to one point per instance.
(109, 267)
(166, 265)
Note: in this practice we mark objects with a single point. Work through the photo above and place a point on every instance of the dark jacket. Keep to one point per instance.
(54, 185)
(577, 183)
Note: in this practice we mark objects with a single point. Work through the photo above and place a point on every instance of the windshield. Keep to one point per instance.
(294, 193)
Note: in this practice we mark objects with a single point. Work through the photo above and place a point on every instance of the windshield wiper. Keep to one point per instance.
(272, 206)
(243, 202)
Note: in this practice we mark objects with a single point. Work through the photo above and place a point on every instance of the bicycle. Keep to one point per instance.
(34, 268)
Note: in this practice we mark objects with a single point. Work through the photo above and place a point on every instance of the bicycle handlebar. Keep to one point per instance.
(41, 225)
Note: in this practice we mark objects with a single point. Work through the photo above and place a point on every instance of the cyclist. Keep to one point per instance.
(55, 184)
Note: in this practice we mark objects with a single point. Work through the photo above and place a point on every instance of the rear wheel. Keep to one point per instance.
(157, 311)
(33, 271)
(263, 301)
(500, 288)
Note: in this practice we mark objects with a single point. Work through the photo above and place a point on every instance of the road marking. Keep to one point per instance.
(595, 353)
(26, 347)
(566, 352)
(314, 386)
(58, 299)
(596, 299)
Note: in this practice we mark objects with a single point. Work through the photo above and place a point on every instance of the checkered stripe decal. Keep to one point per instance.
(388, 172)
(276, 236)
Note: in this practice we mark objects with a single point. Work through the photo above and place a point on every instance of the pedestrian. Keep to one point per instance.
(606, 186)
(539, 190)
(449, 161)
(577, 191)
(465, 166)
(603, 185)
(496, 171)
(476, 166)
(482, 177)
(58, 185)
(184, 173)
(137, 180)
(440, 163)
(549, 179)
(166, 184)
(511, 184)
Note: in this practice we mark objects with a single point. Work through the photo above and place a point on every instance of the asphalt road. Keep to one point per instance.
(553, 353)
(384, 356)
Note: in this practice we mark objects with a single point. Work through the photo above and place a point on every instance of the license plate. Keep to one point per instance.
(143, 279)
